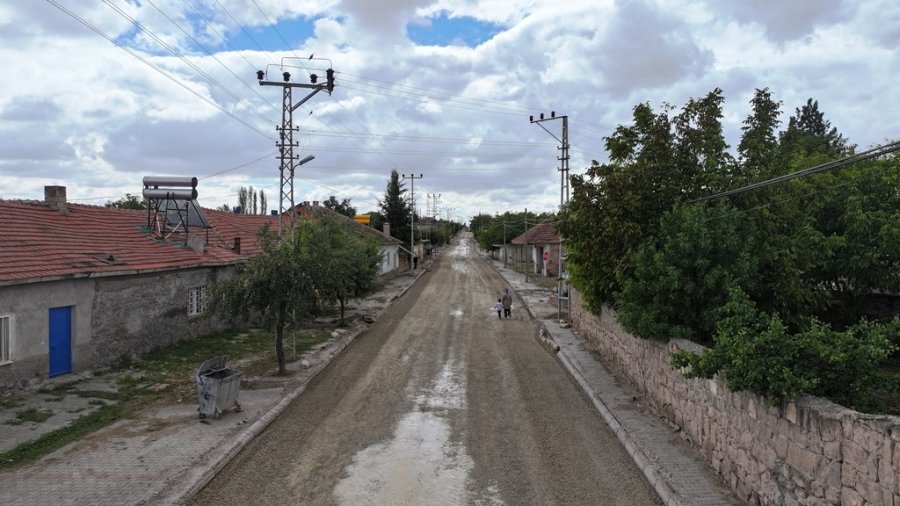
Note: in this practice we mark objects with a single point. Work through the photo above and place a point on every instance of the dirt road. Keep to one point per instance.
(440, 402)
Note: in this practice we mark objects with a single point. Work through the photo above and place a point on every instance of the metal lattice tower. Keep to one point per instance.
(286, 156)
(287, 161)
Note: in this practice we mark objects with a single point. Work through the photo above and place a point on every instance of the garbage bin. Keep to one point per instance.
(217, 387)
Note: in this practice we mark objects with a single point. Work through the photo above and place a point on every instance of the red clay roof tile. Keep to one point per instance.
(37, 242)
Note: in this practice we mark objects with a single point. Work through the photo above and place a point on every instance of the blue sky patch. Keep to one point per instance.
(295, 31)
(458, 31)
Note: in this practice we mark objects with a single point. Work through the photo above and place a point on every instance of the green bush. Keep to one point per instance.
(755, 352)
(701, 253)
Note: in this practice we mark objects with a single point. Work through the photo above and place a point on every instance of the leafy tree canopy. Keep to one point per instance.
(296, 276)
(129, 201)
(343, 206)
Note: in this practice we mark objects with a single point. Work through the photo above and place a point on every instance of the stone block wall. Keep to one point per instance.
(135, 314)
(805, 451)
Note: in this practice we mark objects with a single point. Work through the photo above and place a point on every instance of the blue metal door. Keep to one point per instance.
(60, 340)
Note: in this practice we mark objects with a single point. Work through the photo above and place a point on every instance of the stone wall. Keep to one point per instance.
(135, 314)
(804, 451)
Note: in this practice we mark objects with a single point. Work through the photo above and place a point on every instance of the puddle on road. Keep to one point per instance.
(420, 464)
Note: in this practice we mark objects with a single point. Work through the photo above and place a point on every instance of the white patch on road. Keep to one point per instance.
(456, 313)
(420, 464)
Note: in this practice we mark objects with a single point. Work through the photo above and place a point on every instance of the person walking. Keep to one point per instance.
(499, 308)
(506, 301)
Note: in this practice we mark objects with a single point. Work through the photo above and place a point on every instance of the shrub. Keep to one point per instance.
(755, 352)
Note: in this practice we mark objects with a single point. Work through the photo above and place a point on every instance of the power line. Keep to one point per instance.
(865, 155)
(244, 30)
(436, 140)
(197, 69)
(798, 197)
(143, 60)
(523, 110)
(241, 166)
(224, 39)
(208, 52)
(473, 107)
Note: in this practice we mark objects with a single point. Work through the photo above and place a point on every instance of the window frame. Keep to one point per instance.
(7, 335)
(196, 300)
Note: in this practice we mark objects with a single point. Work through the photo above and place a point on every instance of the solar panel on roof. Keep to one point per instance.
(175, 213)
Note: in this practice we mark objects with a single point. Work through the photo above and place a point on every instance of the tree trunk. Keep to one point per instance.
(341, 299)
(279, 339)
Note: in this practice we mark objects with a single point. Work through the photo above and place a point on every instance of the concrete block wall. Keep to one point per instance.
(806, 451)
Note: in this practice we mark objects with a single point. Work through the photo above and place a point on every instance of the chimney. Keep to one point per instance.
(315, 203)
(237, 245)
(386, 228)
(55, 197)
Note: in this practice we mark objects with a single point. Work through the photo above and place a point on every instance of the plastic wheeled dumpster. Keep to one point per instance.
(217, 388)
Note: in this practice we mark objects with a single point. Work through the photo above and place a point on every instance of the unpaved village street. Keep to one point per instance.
(439, 402)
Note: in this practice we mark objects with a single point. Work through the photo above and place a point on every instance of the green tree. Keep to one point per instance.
(252, 201)
(346, 263)
(274, 284)
(680, 278)
(809, 133)
(759, 143)
(376, 221)
(395, 209)
(343, 206)
(129, 201)
(616, 206)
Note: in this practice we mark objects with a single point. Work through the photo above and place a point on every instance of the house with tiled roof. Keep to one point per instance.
(388, 246)
(537, 250)
(82, 286)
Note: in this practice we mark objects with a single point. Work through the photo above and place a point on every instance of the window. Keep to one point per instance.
(6, 341)
(196, 302)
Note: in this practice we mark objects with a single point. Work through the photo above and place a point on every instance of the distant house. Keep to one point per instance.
(82, 286)
(388, 246)
(537, 250)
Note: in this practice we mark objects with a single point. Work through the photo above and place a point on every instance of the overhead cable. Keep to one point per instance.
(836, 164)
(153, 66)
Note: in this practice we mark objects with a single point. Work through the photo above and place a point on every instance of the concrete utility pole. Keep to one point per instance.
(526, 245)
(563, 194)
(412, 216)
(286, 142)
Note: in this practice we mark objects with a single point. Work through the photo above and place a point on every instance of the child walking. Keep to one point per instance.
(499, 308)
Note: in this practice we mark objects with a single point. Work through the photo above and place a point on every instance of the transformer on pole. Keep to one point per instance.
(286, 143)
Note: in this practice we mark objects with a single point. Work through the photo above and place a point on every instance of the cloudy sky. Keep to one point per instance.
(97, 95)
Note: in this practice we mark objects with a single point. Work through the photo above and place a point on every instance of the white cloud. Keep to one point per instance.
(81, 112)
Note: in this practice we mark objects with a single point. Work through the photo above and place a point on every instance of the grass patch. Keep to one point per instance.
(98, 394)
(10, 402)
(34, 415)
(165, 375)
(55, 440)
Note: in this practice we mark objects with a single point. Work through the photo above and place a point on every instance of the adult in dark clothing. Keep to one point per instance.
(506, 300)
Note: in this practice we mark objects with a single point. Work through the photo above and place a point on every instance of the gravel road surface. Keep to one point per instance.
(439, 402)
